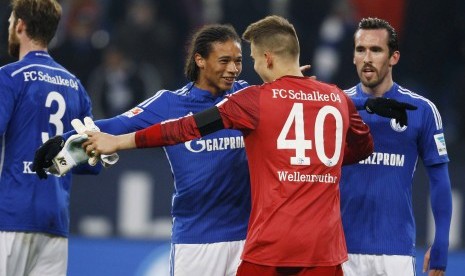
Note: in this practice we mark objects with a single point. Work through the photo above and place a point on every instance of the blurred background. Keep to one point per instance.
(123, 51)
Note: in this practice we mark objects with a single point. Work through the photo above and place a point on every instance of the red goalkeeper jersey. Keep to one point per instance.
(295, 130)
(297, 133)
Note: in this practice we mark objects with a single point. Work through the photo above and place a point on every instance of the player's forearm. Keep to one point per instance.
(441, 204)
(149, 137)
(104, 143)
(167, 133)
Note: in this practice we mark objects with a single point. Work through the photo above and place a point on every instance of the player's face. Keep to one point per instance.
(13, 41)
(221, 68)
(260, 64)
(372, 59)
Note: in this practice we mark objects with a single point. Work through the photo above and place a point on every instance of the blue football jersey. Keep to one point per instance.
(211, 200)
(376, 193)
(38, 100)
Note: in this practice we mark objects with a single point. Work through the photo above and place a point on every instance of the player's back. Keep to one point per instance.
(39, 100)
(295, 155)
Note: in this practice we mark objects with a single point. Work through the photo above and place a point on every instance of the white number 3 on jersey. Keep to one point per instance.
(55, 118)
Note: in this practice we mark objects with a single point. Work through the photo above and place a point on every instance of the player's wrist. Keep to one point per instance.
(438, 257)
(127, 141)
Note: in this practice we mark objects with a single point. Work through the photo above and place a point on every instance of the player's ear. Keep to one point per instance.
(269, 59)
(20, 26)
(199, 60)
(394, 59)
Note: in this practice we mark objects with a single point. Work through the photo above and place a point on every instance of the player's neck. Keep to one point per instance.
(281, 70)
(30, 46)
(379, 90)
(214, 90)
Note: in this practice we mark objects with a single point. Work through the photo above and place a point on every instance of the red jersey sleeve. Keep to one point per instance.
(359, 142)
(167, 133)
(240, 110)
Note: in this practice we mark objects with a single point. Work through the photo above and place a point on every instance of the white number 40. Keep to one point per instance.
(296, 116)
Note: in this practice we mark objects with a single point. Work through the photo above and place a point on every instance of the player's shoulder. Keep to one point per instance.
(409, 96)
(322, 85)
(9, 73)
(7, 69)
(165, 96)
(299, 82)
(327, 88)
(158, 102)
(237, 86)
(425, 106)
(17, 68)
(351, 92)
(160, 95)
(240, 84)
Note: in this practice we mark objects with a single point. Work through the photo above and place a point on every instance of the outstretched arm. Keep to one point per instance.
(166, 133)
(50, 151)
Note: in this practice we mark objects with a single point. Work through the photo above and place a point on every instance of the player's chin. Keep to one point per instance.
(228, 82)
(225, 87)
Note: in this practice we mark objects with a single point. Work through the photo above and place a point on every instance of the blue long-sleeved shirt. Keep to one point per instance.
(211, 201)
(38, 100)
(376, 194)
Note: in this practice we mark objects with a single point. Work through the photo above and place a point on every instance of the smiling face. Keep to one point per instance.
(373, 61)
(220, 69)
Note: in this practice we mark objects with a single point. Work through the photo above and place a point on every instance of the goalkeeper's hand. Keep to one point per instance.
(64, 156)
(89, 125)
(73, 154)
(389, 108)
(70, 156)
(81, 128)
(45, 154)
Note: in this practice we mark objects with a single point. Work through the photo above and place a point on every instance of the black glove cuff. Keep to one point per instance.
(57, 140)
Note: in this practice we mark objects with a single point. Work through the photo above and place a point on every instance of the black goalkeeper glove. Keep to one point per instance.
(45, 154)
(389, 108)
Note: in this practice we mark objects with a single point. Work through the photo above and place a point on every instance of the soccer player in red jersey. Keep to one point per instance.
(298, 133)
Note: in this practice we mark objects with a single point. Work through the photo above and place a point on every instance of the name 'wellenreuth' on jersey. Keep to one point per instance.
(41, 76)
(385, 158)
(215, 144)
(300, 177)
(305, 96)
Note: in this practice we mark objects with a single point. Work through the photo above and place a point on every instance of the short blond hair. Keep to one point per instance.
(274, 33)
